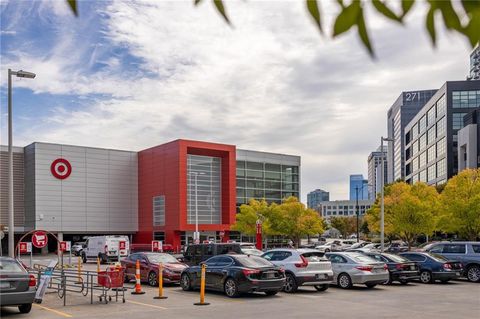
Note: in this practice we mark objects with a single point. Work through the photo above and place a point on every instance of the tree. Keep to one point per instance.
(246, 219)
(460, 204)
(345, 225)
(463, 19)
(364, 227)
(293, 220)
(410, 210)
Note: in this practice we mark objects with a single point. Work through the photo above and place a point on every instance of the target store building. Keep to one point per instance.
(156, 193)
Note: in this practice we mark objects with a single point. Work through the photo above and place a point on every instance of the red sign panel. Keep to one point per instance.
(122, 245)
(39, 239)
(61, 168)
(63, 245)
(23, 247)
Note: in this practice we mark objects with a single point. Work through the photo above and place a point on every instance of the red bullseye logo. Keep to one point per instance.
(61, 168)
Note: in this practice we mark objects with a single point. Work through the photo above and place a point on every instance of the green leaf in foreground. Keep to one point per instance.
(73, 6)
(314, 11)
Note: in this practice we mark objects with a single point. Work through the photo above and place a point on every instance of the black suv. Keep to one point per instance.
(197, 253)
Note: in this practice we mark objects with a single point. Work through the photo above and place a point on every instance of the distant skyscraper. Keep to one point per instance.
(358, 182)
(374, 166)
(475, 64)
(315, 197)
(399, 115)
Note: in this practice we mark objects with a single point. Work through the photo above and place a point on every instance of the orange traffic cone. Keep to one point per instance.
(138, 286)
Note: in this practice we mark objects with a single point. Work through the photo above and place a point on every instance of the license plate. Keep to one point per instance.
(4, 285)
(269, 275)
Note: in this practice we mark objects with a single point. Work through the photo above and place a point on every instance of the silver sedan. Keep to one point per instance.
(351, 268)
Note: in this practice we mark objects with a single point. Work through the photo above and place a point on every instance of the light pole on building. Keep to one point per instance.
(11, 224)
(382, 182)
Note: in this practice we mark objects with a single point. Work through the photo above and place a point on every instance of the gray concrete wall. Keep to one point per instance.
(100, 195)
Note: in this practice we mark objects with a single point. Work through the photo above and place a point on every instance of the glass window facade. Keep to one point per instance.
(457, 120)
(423, 159)
(422, 124)
(159, 210)
(431, 154)
(205, 173)
(442, 168)
(423, 142)
(269, 181)
(423, 176)
(431, 135)
(431, 116)
(441, 127)
(466, 99)
(432, 172)
(441, 106)
(441, 147)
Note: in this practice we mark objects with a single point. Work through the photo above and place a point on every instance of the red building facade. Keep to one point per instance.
(163, 172)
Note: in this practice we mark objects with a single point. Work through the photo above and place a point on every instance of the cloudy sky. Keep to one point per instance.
(131, 75)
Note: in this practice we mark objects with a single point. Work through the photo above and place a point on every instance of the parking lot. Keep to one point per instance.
(457, 299)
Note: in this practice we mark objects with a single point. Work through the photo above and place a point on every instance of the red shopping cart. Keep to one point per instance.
(112, 278)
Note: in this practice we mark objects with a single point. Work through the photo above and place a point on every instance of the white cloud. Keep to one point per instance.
(270, 83)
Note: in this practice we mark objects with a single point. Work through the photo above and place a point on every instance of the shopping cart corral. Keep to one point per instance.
(103, 285)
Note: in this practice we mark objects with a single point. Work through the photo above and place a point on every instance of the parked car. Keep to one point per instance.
(235, 274)
(400, 268)
(303, 267)
(251, 251)
(149, 262)
(359, 245)
(351, 268)
(335, 245)
(195, 254)
(106, 248)
(366, 248)
(77, 248)
(396, 247)
(17, 286)
(467, 252)
(434, 267)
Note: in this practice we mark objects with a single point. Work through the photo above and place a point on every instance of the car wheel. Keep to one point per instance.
(185, 282)
(426, 277)
(230, 288)
(344, 281)
(290, 284)
(370, 286)
(321, 287)
(271, 293)
(152, 279)
(473, 273)
(25, 308)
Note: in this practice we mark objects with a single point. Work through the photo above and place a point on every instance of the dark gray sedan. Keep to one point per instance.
(17, 286)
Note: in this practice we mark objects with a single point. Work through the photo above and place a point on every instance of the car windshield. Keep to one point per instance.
(253, 261)
(438, 257)
(396, 258)
(10, 266)
(252, 251)
(363, 259)
(161, 258)
(314, 256)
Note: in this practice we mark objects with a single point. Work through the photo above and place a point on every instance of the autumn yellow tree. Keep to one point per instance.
(345, 225)
(410, 210)
(293, 220)
(460, 205)
(246, 219)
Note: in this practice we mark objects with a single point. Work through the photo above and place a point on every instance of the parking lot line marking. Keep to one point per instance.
(60, 313)
(146, 304)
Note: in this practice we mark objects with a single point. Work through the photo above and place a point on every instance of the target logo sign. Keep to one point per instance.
(61, 168)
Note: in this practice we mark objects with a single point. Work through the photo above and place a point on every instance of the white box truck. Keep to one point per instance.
(107, 248)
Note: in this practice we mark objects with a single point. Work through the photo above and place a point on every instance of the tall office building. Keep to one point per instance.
(360, 185)
(315, 197)
(475, 64)
(400, 113)
(374, 167)
(469, 141)
(431, 137)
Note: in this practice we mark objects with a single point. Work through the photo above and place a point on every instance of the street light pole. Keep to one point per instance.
(11, 216)
(382, 205)
(358, 213)
(197, 235)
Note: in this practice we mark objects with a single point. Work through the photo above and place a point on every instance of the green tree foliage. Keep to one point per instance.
(364, 227)
(246, 219)
(463, 19)
(460, 205)
(410, 210)
(290, 219)
(345, 225)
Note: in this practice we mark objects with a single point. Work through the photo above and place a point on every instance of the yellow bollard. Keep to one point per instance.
(98, 265)
(79, 270)
(160, 283)
(202, 288)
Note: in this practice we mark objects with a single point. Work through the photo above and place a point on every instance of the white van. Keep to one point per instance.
(106, 248)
